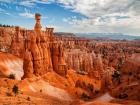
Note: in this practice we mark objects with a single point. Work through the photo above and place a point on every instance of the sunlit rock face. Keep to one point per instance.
(6, 35)
(28, 65)
(59, 64)
(17, 45)
(38, 50)
(100, 59)
(82, 61)
(11, 65)
(127, 85)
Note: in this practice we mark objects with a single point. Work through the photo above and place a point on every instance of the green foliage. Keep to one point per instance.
(12, 76)
(116, 77)
(85, 96)
(4, 25)
(15, 89)
(116, 74)
(97, 91)
(90, 87)
(122, 96)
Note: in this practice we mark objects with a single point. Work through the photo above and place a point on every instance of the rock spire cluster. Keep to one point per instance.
(40, 53)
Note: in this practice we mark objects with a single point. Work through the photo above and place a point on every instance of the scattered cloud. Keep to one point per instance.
(27, 3)
(95, 8)
(27, 15)
(98, 15)
(30, 15)
(44, 1)
(119, 19)
(104, 15)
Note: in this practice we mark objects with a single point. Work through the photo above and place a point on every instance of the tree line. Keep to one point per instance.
(4, 25)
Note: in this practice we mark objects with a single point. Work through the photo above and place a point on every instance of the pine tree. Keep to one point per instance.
(15, 89)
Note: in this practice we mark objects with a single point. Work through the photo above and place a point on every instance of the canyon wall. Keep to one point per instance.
(98, 59)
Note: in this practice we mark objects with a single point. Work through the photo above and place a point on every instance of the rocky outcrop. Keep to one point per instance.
(6, 35)
(28, 65)
(100, 59)
(42, 54)
(59, 64)
(85, 62)
(17, 45)
(36, 44)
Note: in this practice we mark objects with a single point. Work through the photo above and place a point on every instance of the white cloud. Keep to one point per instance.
(32, 3)
(44, 1)
(106, 24)
(101, 15)
(104, 15)
(27, 3)
(30, 15)
(27, 15)
(94, 8)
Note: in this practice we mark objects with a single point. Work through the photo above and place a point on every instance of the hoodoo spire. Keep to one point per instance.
(38, 24)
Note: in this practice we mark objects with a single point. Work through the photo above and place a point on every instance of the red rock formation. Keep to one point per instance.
(49, 44)
(37, 25)
(46, 55)
(37, 58)
(6, 35)
(49, 32)
(62, 66)
(28, 65)
(84, 61)
(56, 57)
(17, 46)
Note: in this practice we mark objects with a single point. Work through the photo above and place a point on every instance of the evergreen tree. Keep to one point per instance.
(15, 89)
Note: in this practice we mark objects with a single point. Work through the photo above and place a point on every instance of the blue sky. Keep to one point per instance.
(82, 16)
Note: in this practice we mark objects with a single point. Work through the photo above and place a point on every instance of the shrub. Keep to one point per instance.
(97, 91)
(90, 87)
(28, 98)
(116, 74)
(15, 90)
(85, 96)
(123, 96)
(12, 76)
